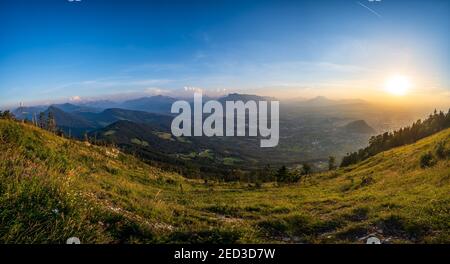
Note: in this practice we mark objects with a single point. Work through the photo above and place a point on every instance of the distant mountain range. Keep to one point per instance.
(72, 108)
(310, 130)
(28, 112)
(162, 104)
(112, 115)
(245, 97)
(154, 104)
(77, 120)
(321, 101)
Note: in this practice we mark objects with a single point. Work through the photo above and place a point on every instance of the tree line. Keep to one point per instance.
(47, 122)
(7, 115)
(268, 173)
(420, 129)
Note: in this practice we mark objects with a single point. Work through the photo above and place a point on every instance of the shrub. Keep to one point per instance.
(441, 151)
(357, 214)
(366, 180)
(395, 225)
(283, 175)
(427, 160)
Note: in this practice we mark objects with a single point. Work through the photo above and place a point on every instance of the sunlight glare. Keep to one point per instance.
(398, 85)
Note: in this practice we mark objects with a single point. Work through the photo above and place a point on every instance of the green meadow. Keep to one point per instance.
(52, 188)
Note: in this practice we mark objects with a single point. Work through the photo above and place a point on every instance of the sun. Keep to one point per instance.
(398, 85)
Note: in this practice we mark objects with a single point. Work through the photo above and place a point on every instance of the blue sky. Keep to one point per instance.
(58, 49)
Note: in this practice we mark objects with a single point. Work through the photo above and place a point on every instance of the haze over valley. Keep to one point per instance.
(311, 130)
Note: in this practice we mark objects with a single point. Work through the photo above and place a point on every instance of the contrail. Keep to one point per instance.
(370, 9)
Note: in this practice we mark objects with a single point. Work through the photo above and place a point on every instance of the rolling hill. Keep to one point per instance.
(359, 126)
(76, 120)
(28, 113)
(70, 123)
(111, 115)
(153, 143)
(53, 188)
(311, 130)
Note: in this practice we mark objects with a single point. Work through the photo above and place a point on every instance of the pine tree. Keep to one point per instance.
(282, 174)
(41, 120)
(6, 115)
(51, 122)
(331, 163)
(306, 169)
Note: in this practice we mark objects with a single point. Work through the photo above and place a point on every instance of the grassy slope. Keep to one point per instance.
(53, 188)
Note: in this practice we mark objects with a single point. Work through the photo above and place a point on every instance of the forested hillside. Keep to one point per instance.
(407, 135)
